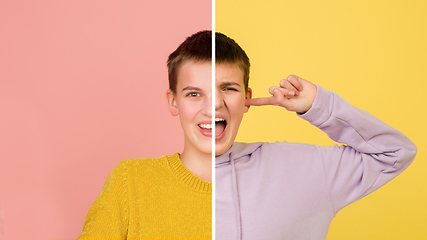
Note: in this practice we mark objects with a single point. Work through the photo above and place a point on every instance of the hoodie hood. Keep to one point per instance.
(237, 151)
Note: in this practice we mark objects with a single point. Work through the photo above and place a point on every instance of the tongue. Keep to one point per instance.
(219, 127)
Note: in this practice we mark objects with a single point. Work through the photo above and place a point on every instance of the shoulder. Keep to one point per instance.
(288, 154)
(145, 166)
(288, 148)
(266, 150)
(148, 162)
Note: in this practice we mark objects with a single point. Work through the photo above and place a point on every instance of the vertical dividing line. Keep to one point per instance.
(213, 119)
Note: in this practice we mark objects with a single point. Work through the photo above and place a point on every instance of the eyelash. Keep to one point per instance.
(196, 94)
(230, 89)
(193, 94)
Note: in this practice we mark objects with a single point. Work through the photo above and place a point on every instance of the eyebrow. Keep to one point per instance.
(189, 88)
(226, 84)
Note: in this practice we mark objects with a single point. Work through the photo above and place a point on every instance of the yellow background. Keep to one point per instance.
(372, 53)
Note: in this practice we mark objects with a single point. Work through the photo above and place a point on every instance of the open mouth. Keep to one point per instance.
(220, 125)
(220, 128)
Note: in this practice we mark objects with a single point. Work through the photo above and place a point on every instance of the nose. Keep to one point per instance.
(207, 106)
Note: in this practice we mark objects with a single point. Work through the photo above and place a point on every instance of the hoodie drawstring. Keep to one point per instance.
(236, 196)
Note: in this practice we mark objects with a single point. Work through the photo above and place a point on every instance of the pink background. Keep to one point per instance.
(82, 86)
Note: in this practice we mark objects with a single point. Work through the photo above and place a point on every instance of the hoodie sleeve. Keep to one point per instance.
(107, 218)
(373, 154)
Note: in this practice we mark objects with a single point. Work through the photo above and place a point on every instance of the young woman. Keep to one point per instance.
(169, 196)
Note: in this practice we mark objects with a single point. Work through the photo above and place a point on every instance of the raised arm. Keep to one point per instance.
(374, 152)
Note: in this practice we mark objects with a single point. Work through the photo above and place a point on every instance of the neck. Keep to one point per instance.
(200, 164)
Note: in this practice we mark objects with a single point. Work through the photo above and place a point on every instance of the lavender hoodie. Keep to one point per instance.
(292, 191)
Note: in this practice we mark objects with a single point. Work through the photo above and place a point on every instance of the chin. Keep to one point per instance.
(219, 150)
(206, 150)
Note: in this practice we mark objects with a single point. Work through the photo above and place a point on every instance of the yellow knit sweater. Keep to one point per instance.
(151, 198)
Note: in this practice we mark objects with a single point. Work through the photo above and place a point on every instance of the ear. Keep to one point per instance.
(248, 96)
(170, 97)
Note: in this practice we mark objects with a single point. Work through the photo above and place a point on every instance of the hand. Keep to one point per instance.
(294, 94)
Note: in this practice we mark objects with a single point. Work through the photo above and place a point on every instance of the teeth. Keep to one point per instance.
(209, 126)
(206, 126)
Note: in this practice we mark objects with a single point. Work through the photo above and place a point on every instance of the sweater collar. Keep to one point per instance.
(187, 177)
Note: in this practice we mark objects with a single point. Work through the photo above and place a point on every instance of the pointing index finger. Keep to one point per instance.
(258, 101)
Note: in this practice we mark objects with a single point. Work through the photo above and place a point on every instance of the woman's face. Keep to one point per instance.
(192, 102)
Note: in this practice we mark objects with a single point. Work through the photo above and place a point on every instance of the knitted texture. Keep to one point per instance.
(151, 198)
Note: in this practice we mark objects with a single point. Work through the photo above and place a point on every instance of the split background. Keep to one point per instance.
(373, 54)
(82, 86)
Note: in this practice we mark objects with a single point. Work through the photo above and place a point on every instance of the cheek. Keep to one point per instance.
(188, 110)
(236, 105)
